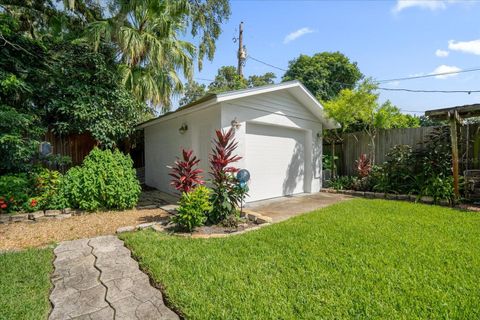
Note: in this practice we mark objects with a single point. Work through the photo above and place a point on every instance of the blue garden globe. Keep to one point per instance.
(243, 176)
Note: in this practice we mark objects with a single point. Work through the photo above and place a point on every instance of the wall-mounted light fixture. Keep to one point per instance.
(235, 124)
(319, 135)
(183, 128)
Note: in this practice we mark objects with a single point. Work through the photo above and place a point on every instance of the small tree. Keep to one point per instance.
(225, 198)
(359, 109)
(185, 174)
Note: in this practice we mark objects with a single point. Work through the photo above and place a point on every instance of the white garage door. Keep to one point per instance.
(275, 157)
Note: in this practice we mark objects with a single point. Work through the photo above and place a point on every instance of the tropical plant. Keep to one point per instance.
(193, 208)
(185, 174)
(363, 166)
(105, 180)
(225, 197)
(147, 37)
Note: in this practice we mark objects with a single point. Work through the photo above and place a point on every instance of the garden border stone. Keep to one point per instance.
(393, 196)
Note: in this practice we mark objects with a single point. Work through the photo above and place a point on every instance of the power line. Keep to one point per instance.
(265, 63)
(428, 91)
(429, 75)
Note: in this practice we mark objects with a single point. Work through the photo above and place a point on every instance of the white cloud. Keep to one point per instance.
(297, 34)
(465, 46)
(424, 4)
(445, 69)
(442, 53)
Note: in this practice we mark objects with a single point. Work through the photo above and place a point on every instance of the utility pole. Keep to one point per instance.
(242, 53)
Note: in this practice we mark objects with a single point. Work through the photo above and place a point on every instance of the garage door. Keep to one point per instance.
(275, 157)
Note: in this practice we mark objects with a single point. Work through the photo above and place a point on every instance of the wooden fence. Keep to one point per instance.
(354, 144)
(75, 146)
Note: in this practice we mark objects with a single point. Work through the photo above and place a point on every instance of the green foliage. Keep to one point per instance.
(357, 259)
(105, 180)
(93, 99)
(14, 191)
(193, 208)
(148, 37)
(261, 80)
(47, 188)
(19, 134)
(424, 170)
(227, 79)
(328, 161)
(359, 110)
(324, 74)
(192, 92)
(342, 183)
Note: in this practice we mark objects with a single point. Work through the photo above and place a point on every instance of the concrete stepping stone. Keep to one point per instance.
(98, 279)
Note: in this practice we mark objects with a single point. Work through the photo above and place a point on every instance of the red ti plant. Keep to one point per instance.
(185, 174)
(364, 166)
(225, 197)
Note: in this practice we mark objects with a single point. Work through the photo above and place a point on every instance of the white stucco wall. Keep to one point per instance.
(163, 143)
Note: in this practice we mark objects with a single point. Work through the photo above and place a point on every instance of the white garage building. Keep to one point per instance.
(278, 128)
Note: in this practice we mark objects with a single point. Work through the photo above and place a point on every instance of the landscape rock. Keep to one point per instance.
(263, 219)
(145, 225)
(35, 215)
(125, 229)
(19, 217)
(52, 213)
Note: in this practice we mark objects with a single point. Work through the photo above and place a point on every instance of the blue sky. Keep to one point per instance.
(388, 39)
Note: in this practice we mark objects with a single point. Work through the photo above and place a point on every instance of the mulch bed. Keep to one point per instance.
(41, 233)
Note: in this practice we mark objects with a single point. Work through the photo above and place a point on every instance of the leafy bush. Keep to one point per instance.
(226, 196)
(185, 175)
(47, 185)
(342, 183)
(439, 189)
(193, 209)
(14, 191)
(105, 180)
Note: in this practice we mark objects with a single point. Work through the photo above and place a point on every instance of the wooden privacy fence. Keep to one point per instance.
(75, 146)
(354, 144)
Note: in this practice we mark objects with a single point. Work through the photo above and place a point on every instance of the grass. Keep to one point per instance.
(25, 284)
(360, 259)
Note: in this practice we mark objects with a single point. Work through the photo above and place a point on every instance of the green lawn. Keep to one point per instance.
(25, 284)
(366, 259)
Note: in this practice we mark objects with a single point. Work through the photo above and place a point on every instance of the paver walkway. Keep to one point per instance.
(98, 279)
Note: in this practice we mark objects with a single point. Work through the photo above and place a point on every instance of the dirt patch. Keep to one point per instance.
(33, 234)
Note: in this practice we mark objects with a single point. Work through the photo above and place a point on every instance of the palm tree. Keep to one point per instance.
(147, 36)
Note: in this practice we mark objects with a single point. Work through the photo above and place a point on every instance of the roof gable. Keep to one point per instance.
(295, 88)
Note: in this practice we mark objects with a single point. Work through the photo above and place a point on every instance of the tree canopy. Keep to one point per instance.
(226, 79)
(325, 74)
(358, 109)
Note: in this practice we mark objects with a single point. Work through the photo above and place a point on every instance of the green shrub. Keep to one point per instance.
(439, 188)
(105, 180)
(47, 187)
(14, 191)
(193, 208)
(342, 183)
